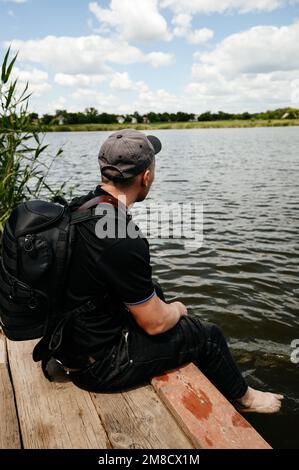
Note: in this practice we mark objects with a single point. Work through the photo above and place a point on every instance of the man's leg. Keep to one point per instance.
(205, 345)
(189, 341)
(140, 356)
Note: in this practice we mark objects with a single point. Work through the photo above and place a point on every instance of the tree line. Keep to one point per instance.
(93, 116)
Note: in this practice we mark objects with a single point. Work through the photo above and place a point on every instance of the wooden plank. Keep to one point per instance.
(207, 417)
(9, 428)
(137, 419)
(52, 415)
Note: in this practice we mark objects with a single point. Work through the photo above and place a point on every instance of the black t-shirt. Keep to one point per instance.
(115, 272)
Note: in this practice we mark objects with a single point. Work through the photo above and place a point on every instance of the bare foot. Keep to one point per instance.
(255, 401)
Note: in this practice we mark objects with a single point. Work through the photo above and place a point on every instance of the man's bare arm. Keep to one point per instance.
(156, 316)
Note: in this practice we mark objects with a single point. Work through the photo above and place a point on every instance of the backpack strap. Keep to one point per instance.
(87, 210)
(60, 249)
(52, 340)
(57, 335)
(78, 217)
(105, 199)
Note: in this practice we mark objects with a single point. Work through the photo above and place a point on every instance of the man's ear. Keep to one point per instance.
(146, 178)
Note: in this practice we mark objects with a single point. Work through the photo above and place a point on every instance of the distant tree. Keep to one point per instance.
(165, 117)
(293, 114)
(128, 119)
(138, 117)
(61, 112)
(47, 119)
(246, 116)
(184, 117)
(33, 117)
(91, 115)
(72, 118)
(207, 116)
(222, 116)
(82, 118)
(105, 118)
(152, 117)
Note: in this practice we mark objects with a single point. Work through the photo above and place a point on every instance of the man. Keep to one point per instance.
(131, 333)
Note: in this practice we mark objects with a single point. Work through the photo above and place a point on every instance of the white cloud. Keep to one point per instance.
(159, 59)
(141, 21)
(37, 80)
(89, 55)
(199, 36)
(243, 93)
(133, 19)
(222, 6)
(261, 49)
(145, 99)
(59, 103)
(78, 80)
(183, 28)
(39, 89)
(14, 1)
(252, 69)
(156, 100)
(32, 75)
(182, 24)
(74, 55)
(86, 98)
(121, 82)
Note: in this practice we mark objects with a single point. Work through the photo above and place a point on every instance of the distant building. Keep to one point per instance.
(145, 120)
(195, 119)
(128, 119)
(61, 120)
(290, 115)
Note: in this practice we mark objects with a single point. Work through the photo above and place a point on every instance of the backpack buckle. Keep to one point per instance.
(28, 243)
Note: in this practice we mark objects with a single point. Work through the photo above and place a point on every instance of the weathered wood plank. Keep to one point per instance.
(52, 415)
(207, 417)
(138, 419)
(9, 428)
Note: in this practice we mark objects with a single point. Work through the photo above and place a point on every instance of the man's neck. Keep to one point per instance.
(125, 197)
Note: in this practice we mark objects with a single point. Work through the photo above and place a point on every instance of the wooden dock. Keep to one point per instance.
(178, 410)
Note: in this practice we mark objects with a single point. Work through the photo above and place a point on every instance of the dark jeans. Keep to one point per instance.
(137, 357)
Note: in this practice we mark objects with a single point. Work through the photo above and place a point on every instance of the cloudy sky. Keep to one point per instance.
(161, 55)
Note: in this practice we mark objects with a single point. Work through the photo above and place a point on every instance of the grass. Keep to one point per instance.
(175, 125)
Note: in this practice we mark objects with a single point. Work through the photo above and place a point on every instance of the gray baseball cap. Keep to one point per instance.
(129, 152)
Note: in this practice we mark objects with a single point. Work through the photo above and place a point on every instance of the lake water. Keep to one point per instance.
(245, 276)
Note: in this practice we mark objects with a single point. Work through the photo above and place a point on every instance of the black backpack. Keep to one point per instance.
(36, 251)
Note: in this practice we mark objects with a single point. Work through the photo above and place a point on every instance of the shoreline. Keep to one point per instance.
(236, 124)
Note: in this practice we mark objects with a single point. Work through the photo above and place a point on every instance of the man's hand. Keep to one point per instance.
(182, 309)
(156, 316)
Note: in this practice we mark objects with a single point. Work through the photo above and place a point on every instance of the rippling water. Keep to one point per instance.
(245, 276)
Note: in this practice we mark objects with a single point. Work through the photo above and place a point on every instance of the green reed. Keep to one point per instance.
(22, 173)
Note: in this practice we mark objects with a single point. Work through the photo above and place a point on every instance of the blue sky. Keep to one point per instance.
(161, 55)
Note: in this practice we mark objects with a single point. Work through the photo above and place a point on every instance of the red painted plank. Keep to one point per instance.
(208, 419)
